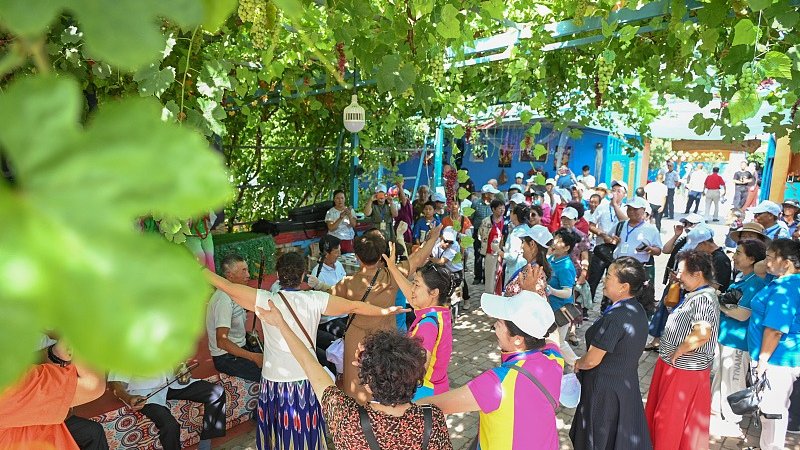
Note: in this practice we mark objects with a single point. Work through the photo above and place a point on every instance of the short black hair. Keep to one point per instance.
(290, 267)
(393, 365)
(599, 198)
(337, 192)
(715, 170)
(787, 249)
(495, 203)
(531, 343)
(430, 203)
(698, 261)
(369, 247)
(230, 260)
(578, 207)
(538, 209)
(586, 168)
(753, 248)
(569, 237)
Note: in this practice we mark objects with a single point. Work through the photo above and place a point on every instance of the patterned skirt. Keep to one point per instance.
(289, 417)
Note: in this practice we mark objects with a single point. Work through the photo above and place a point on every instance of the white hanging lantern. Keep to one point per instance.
(354, 116)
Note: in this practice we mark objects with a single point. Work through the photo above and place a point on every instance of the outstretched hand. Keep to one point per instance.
(402, 226)
(271, 316)
(391, 258)
(435, 232)
(394, 310)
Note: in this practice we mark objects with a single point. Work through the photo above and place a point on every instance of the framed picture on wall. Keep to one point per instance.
(506, 155)
(564, 158)
(526, 154)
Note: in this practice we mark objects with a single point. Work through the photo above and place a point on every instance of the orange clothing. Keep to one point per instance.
(448, 222)
(32, 412)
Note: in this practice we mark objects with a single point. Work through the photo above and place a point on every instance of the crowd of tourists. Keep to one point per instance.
(363, 359)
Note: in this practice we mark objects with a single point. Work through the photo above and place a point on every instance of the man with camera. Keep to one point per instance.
(225, 325)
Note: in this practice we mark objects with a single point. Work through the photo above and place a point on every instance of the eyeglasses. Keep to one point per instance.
(447, 242)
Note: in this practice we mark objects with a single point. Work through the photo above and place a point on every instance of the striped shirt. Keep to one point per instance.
(482, 211)
(700, 306)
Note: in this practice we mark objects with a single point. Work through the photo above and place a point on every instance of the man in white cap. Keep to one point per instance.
(381, 212)
(549, 193)
(701, 238)
(483, 209)
(767, 213)
(605, 219)
(441, 202)
(499, 195)
(519, 178)
(523, 329)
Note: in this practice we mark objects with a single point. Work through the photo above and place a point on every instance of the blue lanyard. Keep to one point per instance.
(382, 211)
(612, 214)
(684, 297)
(628, 229)
(614, 305)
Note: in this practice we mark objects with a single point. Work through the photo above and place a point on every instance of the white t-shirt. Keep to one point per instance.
(632, 237)
(279, 363)
(605, 218)
(448, 254)
(344, 231)
(697, 181)
(222, 312)
(330, 275)
(656, 193)
(590, 181)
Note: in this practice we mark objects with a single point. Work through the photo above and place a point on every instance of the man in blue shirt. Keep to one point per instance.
(672, 180)
(565, 178)
(767, 214)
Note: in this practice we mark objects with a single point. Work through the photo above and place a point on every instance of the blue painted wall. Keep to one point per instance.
(583, 153)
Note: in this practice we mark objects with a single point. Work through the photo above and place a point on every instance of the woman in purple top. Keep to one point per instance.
(405, 212)
(432, 287)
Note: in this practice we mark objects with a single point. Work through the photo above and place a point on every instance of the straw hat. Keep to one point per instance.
(752, 227)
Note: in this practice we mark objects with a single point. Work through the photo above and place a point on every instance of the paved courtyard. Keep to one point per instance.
(475, 351)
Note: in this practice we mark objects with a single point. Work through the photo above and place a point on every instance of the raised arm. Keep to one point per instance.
(243, 295)
(419, 257)
(391, 264)
(319, 378)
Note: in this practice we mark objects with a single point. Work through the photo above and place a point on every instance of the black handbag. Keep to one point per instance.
(372, 441)
(746, 401)
(567, 314)
(605, 252)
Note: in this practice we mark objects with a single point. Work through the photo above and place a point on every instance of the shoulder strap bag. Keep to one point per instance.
(538, 384)
(364, 298)
(366, 427)
(605, 251)
(297, 319)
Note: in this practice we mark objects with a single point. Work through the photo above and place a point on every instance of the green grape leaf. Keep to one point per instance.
(609, 28)
(534, 129)
(405, 77)
(213, 115)
(540, 179)
(700, 124)
(73, 201)
(776, 65)
(539, 150)
(794, 142)
(463, 176)
(213, 79)
(467, 241)
(388, 73)
(468, 211)
(457, 259)
(758, 5)
(152, 81)
(216, 12)
(449, 26)
(525, 117)
(609, 55)
(458, 131)
(575, 133)
(627, 33)
(713, 13)
(745, 33)
(743, 106)
(463, 193)
(457, 227)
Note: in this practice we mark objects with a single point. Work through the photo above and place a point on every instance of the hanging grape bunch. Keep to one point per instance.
(341, 61)
(437, 70)
(605, 69)
(450, 177)
(580, 11)
(262, 14)
(747, 80)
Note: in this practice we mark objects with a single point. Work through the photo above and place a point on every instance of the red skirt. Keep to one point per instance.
(679, 408)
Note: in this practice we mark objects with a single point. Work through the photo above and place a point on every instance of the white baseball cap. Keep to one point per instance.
(602, 186)
(518, 198)
(540, 234)
(448, 234)
(380, 188)
(637, 202)
(529, 311)
(550, 181)
(619, 183)
(767, 207)
(696, 235)
(570, 213)
(516, 186)
(439, 197)
(694, 218)
(519, 175)
(489, 189)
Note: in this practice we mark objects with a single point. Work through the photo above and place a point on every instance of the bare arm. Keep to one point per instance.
(561, 293)
(243, 295)
(401, 280)
(419, 257)
(700, 334)
(225, 344)
(591, 359)
(392, 209)
(740, 314)
(769, 343)
(368, 207)
(91, 385)
(317, 376)
(454, 401)
(338, 306)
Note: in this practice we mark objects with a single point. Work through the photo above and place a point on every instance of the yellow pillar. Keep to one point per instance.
(644, 163)
(780, 170)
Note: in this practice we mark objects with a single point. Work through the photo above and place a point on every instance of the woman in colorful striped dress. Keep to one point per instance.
(432, 287)
(289, 413)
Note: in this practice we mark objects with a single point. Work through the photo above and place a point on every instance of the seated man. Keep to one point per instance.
(32, 411)
(132, 391)
(225, 322)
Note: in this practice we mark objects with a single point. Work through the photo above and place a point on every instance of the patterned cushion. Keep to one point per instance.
(127, 429)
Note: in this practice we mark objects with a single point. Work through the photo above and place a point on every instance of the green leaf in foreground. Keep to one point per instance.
(743, 106)
(72, 261)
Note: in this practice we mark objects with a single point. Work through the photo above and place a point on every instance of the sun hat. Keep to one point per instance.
(636, 202)
(516, 186)
(693, 218)
(550, 181)
(529, 311)
(519, 175)
(540, 234)
(438, 197)
(448, 234)
(619, 183)
(380, 188)
(489, 189)
(753, 227)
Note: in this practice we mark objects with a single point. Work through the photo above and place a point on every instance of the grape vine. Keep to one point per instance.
(262, 14)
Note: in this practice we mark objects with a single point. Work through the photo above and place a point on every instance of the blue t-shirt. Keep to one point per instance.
(422, 225)
(777, 307)
(563, 277)
(732, 332)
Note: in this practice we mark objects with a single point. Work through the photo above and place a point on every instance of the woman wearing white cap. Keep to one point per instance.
(517, 401)
(610, 414)
(534, 274)
(511, 253)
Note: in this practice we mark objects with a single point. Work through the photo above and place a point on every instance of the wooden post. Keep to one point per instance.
(780, 169)
(645, 164)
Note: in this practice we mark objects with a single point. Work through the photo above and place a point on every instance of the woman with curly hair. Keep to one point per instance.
(285, 390)
(390, 366)
(433, 326)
